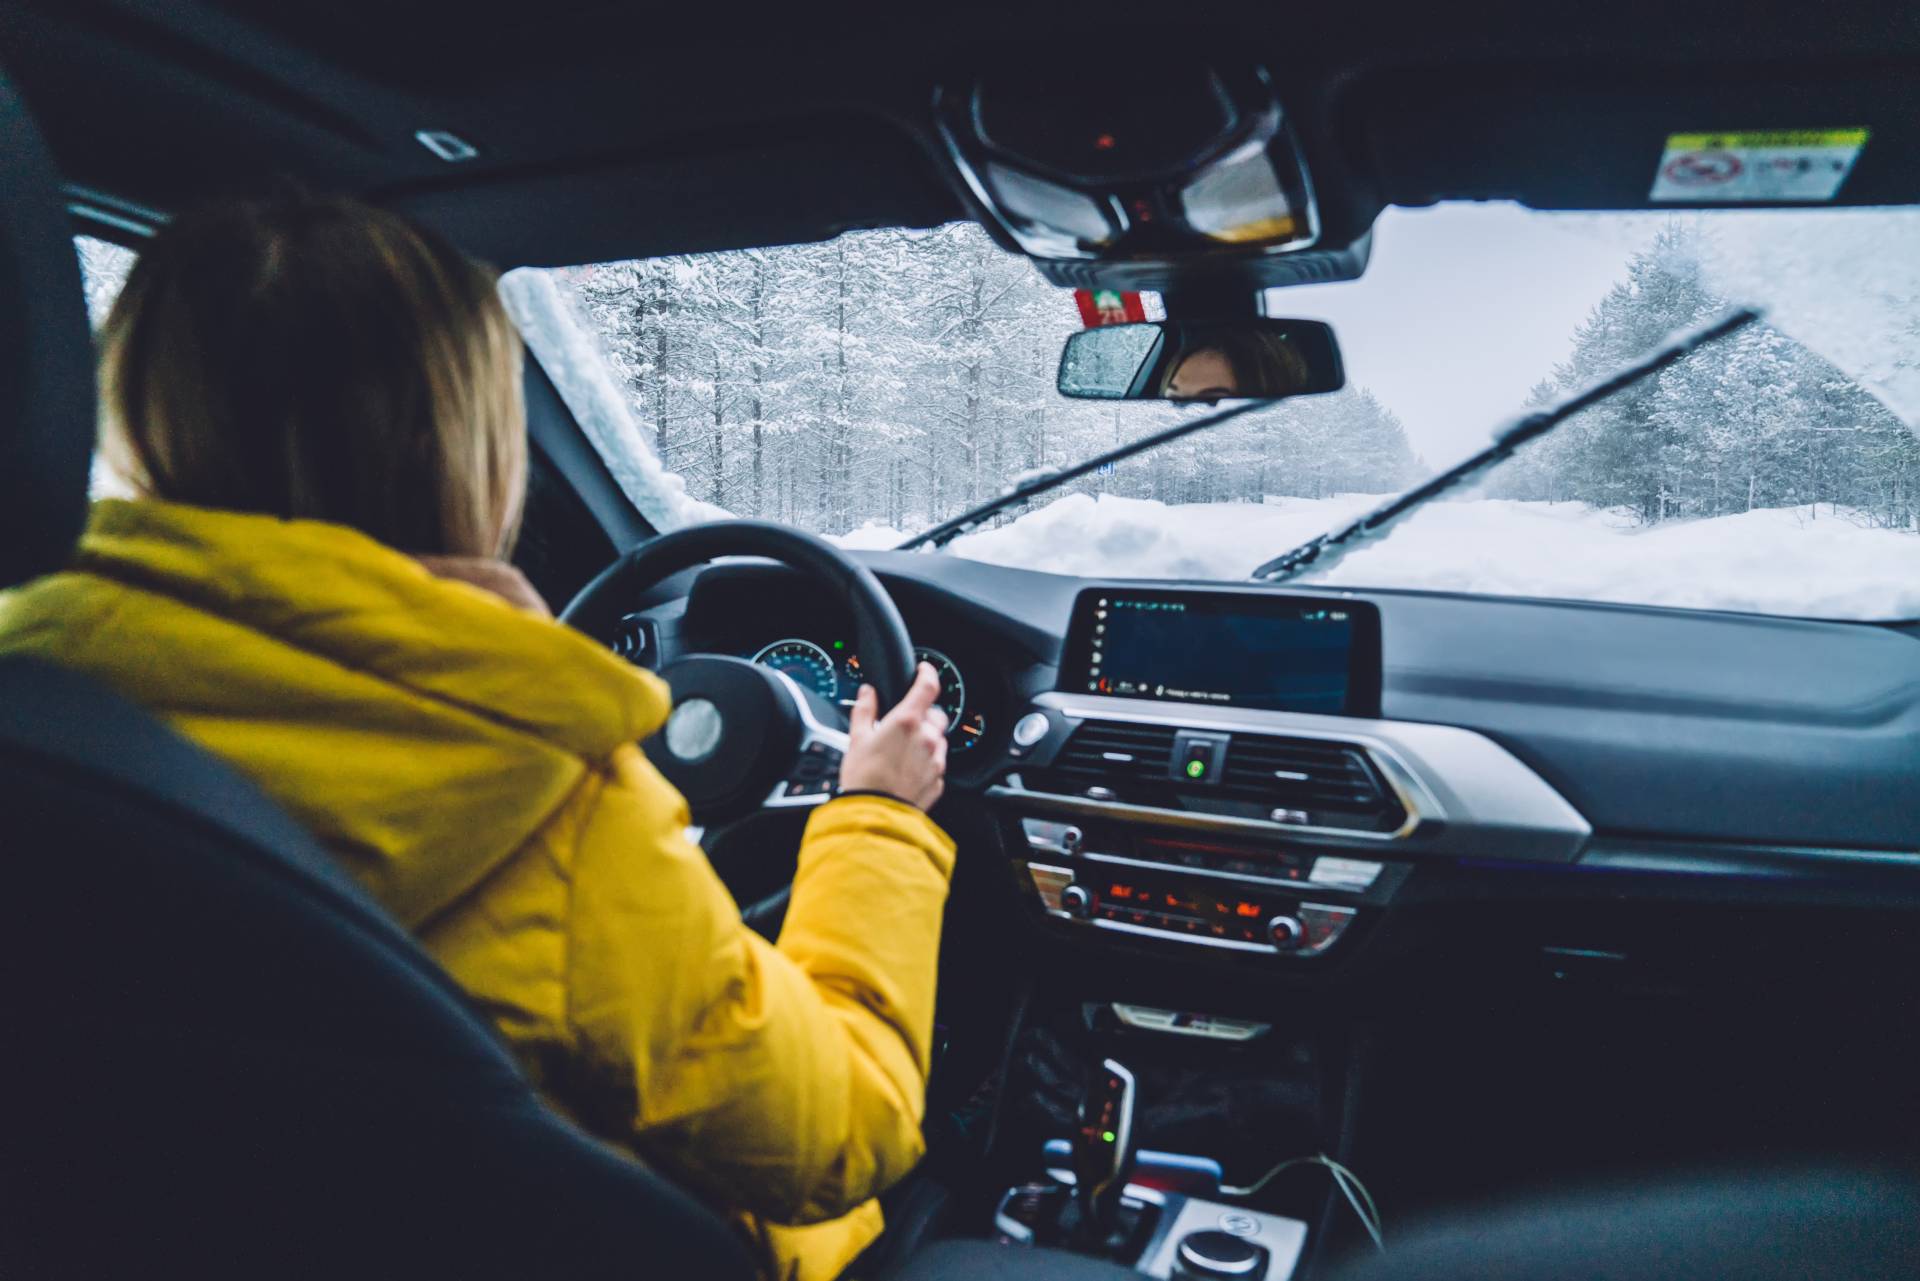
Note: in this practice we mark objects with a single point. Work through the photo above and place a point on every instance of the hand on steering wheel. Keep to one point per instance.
(904, 753)
(743, 737)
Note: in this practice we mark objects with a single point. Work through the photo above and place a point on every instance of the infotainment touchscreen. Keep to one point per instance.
(1226, 649)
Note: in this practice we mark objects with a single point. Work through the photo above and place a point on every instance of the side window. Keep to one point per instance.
(103, 268)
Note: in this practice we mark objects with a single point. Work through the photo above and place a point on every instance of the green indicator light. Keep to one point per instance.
(839, 644)
(1196, 767)
(1107, 1135)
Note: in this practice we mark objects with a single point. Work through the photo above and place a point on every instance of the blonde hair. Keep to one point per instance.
(319, 359)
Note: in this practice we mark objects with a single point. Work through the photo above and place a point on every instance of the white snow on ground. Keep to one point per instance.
(1799, 560)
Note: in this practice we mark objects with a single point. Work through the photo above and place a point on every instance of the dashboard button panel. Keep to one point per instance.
(1223, 896)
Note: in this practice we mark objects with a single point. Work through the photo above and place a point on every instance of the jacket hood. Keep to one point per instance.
(424, 728)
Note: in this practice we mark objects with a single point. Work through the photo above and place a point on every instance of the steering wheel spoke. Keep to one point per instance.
(814, 778)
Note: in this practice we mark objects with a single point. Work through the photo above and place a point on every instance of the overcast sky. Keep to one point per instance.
(1462, 310)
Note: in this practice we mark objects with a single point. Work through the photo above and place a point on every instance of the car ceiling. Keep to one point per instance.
(611, 130)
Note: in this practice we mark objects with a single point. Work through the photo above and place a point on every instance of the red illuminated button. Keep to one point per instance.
(1285, 933)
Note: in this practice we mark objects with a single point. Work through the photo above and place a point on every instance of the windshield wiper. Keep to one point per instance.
(1040, 480)
(1325, 550)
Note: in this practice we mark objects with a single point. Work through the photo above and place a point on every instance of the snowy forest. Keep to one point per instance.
(895, 377)
(1756, 421)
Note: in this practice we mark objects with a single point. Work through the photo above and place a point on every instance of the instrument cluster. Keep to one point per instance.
(832, 670)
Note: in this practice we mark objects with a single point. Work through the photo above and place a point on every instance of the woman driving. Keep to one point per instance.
(320, 409)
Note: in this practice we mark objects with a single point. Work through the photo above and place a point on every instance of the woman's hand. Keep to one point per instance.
(903, 753)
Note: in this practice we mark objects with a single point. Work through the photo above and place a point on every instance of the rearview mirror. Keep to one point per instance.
(1254, 358)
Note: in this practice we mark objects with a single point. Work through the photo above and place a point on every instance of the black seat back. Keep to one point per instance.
(220, 1058)
(223, 1061)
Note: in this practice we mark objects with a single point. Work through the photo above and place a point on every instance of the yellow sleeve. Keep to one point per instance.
(786, 1081)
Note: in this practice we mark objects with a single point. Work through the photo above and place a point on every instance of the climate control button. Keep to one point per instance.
(1077, 900)
(1286, 933)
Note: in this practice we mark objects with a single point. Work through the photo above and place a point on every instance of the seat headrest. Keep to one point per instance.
(46, 358)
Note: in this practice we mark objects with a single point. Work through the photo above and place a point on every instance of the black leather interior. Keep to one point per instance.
(225, 1061)
(46, 359)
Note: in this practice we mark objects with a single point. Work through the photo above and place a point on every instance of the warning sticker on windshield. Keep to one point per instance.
(1787, 165)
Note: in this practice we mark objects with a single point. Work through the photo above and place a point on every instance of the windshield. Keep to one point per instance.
(871, 386)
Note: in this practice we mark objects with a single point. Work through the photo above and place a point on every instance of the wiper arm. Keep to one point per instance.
(1326, 550)
(1028, 484)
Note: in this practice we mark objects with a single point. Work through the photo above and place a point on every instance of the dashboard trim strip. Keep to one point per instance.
(1722, 859)
(1183, 870)
(1234, 945)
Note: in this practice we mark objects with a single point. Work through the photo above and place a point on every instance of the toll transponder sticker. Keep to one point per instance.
(1757, 167)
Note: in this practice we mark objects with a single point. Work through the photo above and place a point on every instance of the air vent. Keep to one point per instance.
(1113, 753)
(1314, 782)
(1300, 782)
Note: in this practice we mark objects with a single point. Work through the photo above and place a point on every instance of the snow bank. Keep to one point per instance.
(1778, 561)
(570, 353)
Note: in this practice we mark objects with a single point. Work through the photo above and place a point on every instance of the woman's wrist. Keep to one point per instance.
(875, 791)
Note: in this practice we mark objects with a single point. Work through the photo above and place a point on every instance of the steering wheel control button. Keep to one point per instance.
(1077, 900)
(818, 761)
(693, 730)
(1213, 1253)
(1030, 729)
(1286, 933)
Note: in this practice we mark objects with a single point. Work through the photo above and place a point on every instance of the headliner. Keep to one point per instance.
(610, 130)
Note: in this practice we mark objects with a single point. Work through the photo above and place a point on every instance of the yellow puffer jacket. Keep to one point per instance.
(475, 767)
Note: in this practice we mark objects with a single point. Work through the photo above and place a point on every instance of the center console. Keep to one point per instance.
(1212, 771)
(1211, 781)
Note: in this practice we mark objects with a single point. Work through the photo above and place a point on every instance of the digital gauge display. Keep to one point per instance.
(953, 687)
(806, 663)
(838, 679)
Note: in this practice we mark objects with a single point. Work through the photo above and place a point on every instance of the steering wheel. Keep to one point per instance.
(742, 737)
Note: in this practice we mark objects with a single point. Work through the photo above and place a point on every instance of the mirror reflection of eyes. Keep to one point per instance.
(1206, 374)
(1202, 361)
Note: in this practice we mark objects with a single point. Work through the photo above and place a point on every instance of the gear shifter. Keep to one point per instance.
(1103, 1148)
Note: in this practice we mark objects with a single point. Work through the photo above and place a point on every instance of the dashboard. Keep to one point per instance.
(1273, 777)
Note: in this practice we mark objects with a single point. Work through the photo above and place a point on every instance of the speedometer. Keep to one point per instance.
(953, 688)
(952, 698)
(805, 662)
